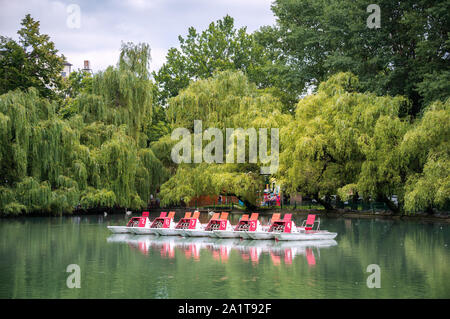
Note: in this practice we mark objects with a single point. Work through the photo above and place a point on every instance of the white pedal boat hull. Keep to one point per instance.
(144, 231)
(198, 233)
(226, 233)
(167, 231)
(120, 229)
(244, 235)
(261, 235)
(319, 235)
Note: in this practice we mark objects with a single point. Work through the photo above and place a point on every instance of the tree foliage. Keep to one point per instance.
(327, 145)
(94, 156)
(353, 144)
(426, 149)
(107, 141)
(32, 62)
(226, 100)
(218, 48)
(406, 56)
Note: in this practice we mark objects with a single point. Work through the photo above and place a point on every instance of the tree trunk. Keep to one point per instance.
(392, 207)
(247, 204)
(325, 204)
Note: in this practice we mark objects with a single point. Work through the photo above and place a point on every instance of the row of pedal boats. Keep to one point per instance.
(248, 227)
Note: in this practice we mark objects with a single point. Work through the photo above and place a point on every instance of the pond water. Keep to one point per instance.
(413, 258)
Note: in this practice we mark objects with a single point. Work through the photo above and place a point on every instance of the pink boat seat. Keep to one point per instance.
(310, 222)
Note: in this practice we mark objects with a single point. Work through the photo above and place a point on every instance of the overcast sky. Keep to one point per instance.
(104, 24)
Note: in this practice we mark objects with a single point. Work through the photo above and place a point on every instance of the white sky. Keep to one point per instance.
(104, 24)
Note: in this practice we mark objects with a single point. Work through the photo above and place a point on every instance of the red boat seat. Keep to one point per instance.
(275, 217)
(144, 214)
(254, 216)
(224, 215)
(244, 217)
(187, 215)
(287, 216)
(310, 222)
(215, 216)
(171, 214)
(196, 214)
(163, 214)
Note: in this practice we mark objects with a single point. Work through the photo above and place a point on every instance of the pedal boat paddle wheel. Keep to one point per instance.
(163, 225)
(266, 232)
(148, 230)
(207, 231)
(224, 229)
(134, 223)
(188, 222)
(247, 225)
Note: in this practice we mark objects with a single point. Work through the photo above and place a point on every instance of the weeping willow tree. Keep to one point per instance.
(226, 100)
(426, 149)
(332, 146)
(354, 144)
(39, 145)
(118, 97)
(95, 157)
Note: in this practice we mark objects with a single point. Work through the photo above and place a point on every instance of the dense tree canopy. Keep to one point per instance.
(328, 143)
(32, 62)
(108, 140)
(426, 149)
(354, 144)
(95, 156)
(226, 100)
(408, 55)
(218, 48)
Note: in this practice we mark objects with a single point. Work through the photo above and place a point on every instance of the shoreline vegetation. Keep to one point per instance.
(362, 115)
(336, 213)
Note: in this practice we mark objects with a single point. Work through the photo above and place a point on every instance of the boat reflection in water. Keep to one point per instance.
(220, 249)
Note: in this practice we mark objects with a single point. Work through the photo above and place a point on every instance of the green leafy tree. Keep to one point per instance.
(135, 58)
(426, 150)
(408, 55)
(226, 100)
(341, 142)
(95, 156)
(220, 47)
(32, 62)
(78, 82)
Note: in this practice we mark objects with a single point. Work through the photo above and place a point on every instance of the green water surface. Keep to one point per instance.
(413, 258)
